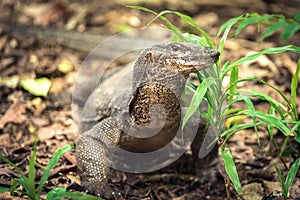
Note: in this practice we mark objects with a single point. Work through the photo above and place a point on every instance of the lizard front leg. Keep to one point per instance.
(91, 153)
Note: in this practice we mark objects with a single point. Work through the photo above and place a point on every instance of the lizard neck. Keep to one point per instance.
(149, 70)
(155, 84)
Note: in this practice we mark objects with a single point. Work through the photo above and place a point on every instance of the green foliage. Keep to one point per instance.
(231, 170)
(60, 193)
(282, 116)
(287, 183)
(28, 182)
(37, 87)
(273, 22)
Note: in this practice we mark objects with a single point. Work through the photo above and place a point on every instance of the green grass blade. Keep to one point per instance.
(271, 29)
(173, 28)
(13, 165)
(278, 106)
(238, 127)
(191, 38)
(246, 22)
(30, 189)
(14, 184)
(226, 69)
(279, 92)
(231, 170)
(292, 174)
(162, 17)
(269, 127)
(274, 121)
(274, 50)
(234, 75)
(31, 173)
(250, 106)
(281, 179)
(53, 161)
(190, 21)
(294, 86)
(197, 99)
(226, 28)
(230, 23)
(60, 193)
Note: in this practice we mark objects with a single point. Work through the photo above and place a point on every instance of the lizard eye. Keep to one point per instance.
(175, 47)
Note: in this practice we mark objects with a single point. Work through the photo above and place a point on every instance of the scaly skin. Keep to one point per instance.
(159, 76)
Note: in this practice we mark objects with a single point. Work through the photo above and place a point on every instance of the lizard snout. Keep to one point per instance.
(215, 56)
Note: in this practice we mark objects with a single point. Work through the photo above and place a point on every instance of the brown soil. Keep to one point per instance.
(23, 114)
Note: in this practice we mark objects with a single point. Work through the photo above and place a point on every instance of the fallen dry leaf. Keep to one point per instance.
(5, 140)
(45, 14)
(15, 113)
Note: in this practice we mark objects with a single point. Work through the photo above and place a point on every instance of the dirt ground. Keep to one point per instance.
(23, 114)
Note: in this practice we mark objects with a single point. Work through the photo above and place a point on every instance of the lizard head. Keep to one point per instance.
(170, 64)
(183, 57)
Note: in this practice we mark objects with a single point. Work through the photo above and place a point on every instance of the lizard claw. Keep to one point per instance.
(117, 195)
(98, 188)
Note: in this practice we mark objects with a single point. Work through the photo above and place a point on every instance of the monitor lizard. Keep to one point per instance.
(159, 76)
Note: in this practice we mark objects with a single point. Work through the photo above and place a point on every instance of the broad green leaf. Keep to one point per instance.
(37, 87)
(297, 16)
(271, 29)
(290, 30)
(197, 99)
(53, 161)
(61, 193)
(4, 189)
(231, 170)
